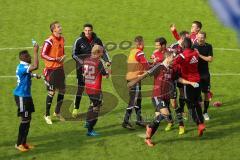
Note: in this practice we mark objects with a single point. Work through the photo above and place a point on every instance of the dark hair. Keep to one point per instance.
(138, 39)
(88, 25)
(204, 33)
(161, 40)
(23, 53)
(187, 43)
(183, 34)
(198, 23)
(52, 25)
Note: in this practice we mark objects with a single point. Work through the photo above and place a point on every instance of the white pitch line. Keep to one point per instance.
(227, 49)
(225, 74)
(2, 49)
(18, 48)
(212, 74)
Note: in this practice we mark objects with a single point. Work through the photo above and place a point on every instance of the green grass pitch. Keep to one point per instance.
(115, 21)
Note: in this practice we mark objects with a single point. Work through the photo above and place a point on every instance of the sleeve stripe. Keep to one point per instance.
(74, 53)
(139, 54)
(28, 69)
(182, 55)
(48, 41)
(78, 59)
(107, 55)
(45, 47)
(44, 54)
(74, 46)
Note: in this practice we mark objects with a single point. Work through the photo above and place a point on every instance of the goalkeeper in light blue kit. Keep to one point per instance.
(22, 95)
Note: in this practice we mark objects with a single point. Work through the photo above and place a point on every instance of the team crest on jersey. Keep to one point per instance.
(194, 60)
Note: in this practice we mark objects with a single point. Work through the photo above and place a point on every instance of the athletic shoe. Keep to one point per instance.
(169, 127)
(149, 142)
(75, 113)
(59, 116)
(48, 119)
(210, 95)
(181, 130)
(21, 148)
(201, 128)
(92, 133)
(127, 125)
(141, 124)
(206, 117)
(28, 146)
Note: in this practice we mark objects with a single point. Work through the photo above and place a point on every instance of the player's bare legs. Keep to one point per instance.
(152, 127)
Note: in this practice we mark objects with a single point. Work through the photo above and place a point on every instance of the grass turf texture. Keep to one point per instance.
(116, 21)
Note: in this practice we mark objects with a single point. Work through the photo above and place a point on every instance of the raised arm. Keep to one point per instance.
(174, 32)
(35, 64)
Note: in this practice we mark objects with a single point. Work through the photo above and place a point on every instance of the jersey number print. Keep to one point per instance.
(89, 73)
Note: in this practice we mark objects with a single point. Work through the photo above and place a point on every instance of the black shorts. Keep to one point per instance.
(54, 79)
(95, 105)
(95, 99)
(159, 103)
(192, 94)
(25, 106)
(179, 85)
(205, 83)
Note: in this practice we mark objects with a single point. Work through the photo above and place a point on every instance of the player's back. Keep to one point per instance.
(93, 75)
(23, 75)
(190, 65)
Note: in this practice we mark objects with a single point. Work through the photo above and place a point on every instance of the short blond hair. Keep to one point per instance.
(97, 50)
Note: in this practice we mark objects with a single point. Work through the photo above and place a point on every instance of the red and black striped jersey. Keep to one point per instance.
(93, 72)
(164, 78)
